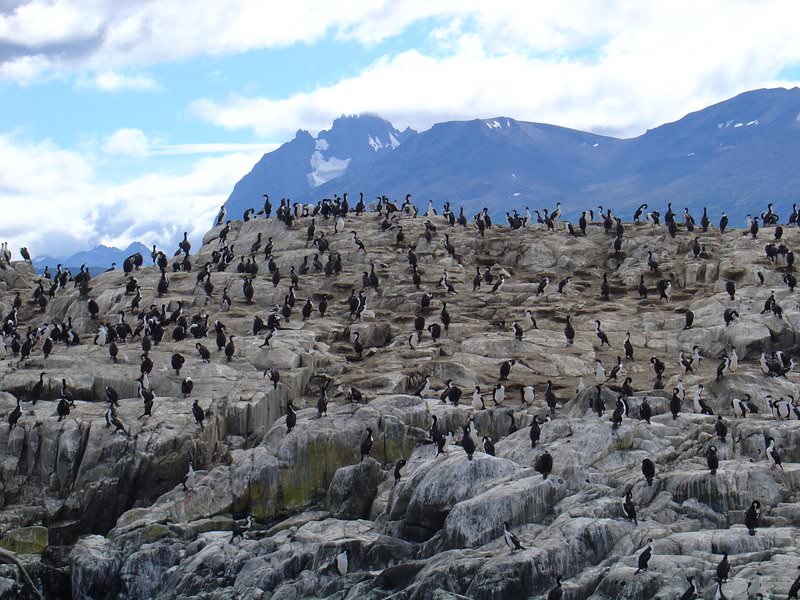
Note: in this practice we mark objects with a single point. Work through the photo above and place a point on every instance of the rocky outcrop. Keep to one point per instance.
(106, 514)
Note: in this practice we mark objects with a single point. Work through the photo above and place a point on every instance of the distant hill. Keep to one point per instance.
(98, 259)
(736, 156)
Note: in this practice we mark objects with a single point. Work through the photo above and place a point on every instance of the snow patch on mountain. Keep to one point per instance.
(324, 169)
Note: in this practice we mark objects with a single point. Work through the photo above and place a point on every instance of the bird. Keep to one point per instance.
(366, 445)
(205, 355)
(645, 411)
(499, 394)
(536, 430)
(358, 346)
(601, 335)
(723, 367)
(467, 443)
(734, 361)
(488, 446)
(730, 287)
(230, 349)
(111, 395)
(273, 375)
(544, 464)
(477, 399)
(628, 508)
(187, 385)
(628, 347)
(112, 419)
(675, 403)
(739, 407)
(700, 405)
(648, 470)
(599, 371)
(689, 316)
(14, 416)
(517, 330)
(398, 465)
(66, 394)
(685, 362)
(723, 568)
(199, 413)
(510, 538)
(773, 454)
(556, 593)
(342, 561)
(542, 287)
(291, 417)
(425, 389)
(240, 527)
(616, 370)
(651, 262)
(37, 389)
(569, 332)
(505, 369)
(712, 460)
(527, 394)
(177, 363)
(721, 428)
(62, 409)
(752, 516)
(692, 591)
(499, 284)
(795, 589)
(189, 478)
(627, 388)
(644, 557)
(148, 396)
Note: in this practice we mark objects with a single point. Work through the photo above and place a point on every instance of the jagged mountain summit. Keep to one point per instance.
(300, 166)
(729, 156)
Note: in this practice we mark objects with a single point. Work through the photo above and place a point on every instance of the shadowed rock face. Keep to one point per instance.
(120, 524)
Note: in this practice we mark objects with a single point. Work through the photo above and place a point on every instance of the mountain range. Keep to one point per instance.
(734, 156)
(97, 259)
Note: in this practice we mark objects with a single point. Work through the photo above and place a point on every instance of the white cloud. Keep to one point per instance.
(579, 64)
(24, 70)
(127, 142)
(212, 148)
(42, 22)
(112, 81)
(55, 201)
(612, 66)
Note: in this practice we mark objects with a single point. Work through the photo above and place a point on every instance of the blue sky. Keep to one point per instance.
(133, 120)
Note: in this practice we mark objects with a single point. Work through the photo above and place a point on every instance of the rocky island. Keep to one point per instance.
(379, 398)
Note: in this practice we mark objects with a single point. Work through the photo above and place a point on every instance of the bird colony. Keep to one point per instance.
(350, 400)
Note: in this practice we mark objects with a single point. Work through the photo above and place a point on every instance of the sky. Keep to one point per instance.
(132, 121)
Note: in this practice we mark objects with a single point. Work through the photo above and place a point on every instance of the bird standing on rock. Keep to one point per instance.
(629, 508)
(468, 443)
(511, 540)
(752, 517)
(366, 445)
(648, 470)
(644, 557)
(544, 464)
(505, 368)
(291, 417)
(198, 413)
(712, 460)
